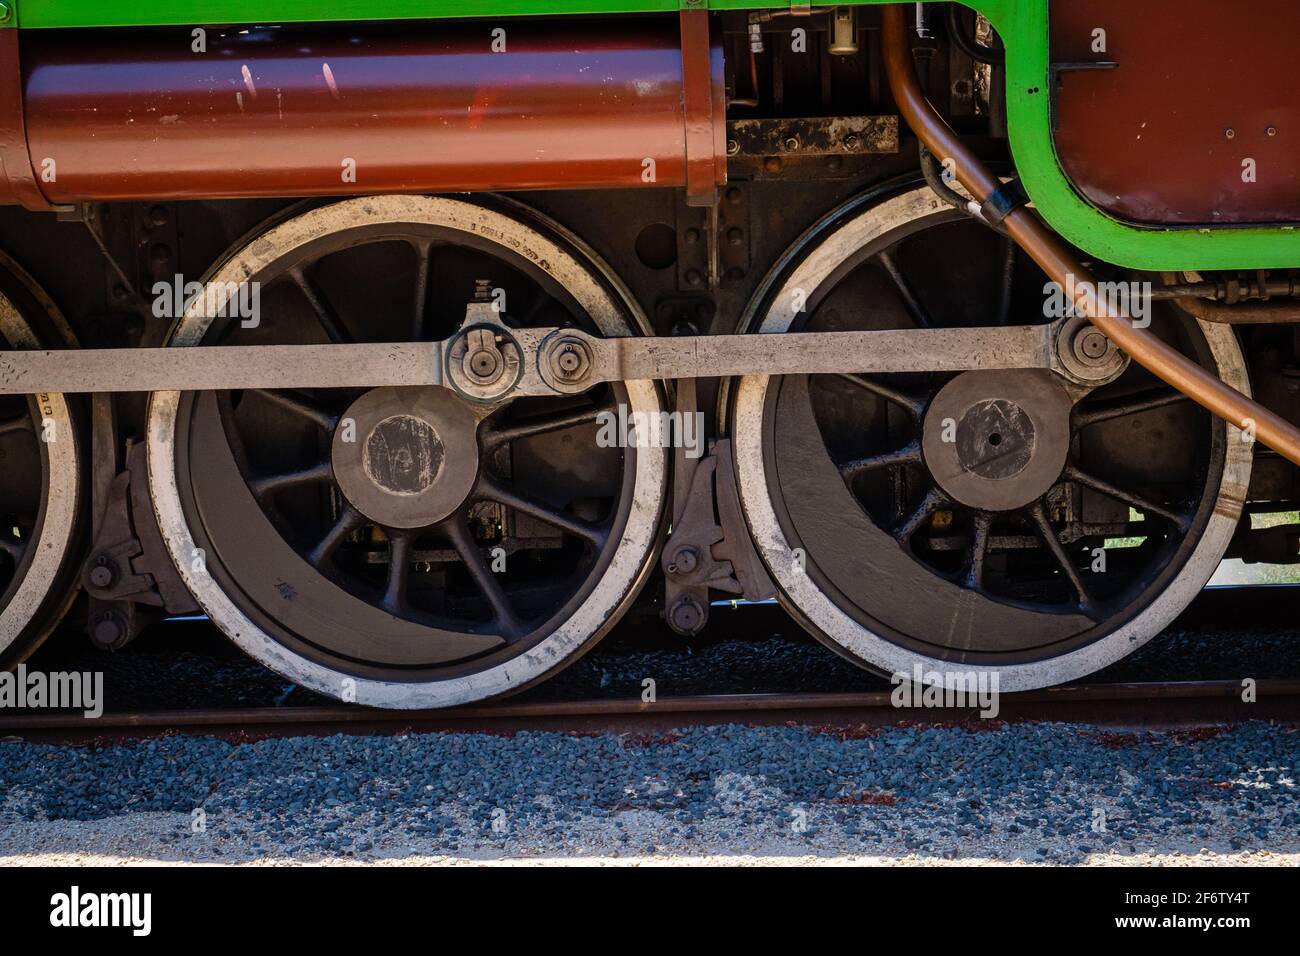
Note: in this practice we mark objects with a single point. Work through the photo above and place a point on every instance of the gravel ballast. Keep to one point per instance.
(1023, 793)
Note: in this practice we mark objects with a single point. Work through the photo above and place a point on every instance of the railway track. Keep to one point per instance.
(1154, 705)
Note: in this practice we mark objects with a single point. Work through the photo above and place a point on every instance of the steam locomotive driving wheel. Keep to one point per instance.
(1016, 521)
(40, 480)
(409, 546)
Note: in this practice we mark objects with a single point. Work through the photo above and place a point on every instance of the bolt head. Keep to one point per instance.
(484, 365)
(1093, 344)
(686, 616)
(570, 361)
(686, 560)
(108, 629)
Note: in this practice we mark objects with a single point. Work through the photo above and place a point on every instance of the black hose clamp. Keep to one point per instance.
(1003, 201)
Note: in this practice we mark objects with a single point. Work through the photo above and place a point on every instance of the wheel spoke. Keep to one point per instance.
(1006, 280)
(932, 501)
(349, 520)
(913, 406)
(536, 307)
(504, 617)
(23, 423)
(907, 455)
(495, 490)
(570, 418)
(325, 313)
(1129, 406)
(423, 252)
(14, 547)
(400, 547)
(268, 486)
(978, 550)
(1182, 522)
(910, 301)
(1038, 512)
(298, 405)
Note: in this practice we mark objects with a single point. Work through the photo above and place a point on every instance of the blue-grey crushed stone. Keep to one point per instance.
(1026, 791)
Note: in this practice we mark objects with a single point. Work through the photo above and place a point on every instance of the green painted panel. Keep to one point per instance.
(123, 13)
(1022, 24)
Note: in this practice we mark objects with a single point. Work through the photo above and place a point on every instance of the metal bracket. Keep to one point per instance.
(1054, 71)
(815, 136)
(703, 108)
(107, 574)
(737, 546)
(128, 576)
(709, 549)
(128, 561)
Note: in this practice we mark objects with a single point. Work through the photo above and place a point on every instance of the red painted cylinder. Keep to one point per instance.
(412, 108)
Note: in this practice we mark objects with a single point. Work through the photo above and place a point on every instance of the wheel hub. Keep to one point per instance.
(995, 439)
(998, 440)
(403, 455)
(406, 457)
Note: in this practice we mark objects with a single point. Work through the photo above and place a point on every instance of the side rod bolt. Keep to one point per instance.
(569, 361)
(483, 360)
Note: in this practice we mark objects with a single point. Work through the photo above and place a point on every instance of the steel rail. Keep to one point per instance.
(1153, 704)
(1060, 263)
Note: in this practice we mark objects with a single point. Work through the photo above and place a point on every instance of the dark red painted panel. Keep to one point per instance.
(1148, 141)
